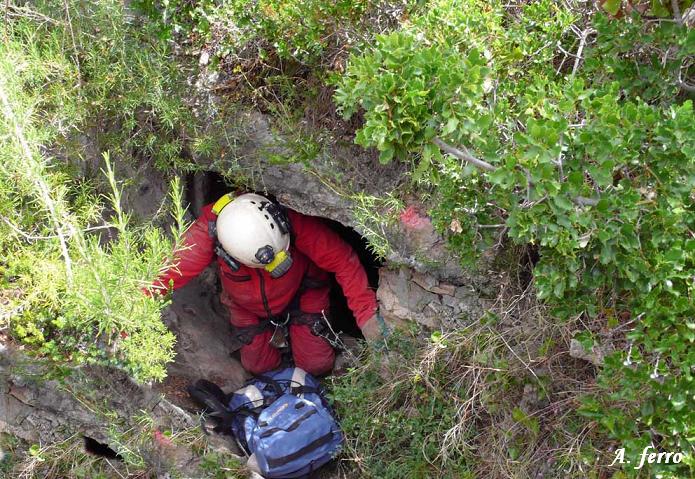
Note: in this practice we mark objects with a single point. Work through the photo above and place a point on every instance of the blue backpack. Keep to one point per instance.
(282, 418)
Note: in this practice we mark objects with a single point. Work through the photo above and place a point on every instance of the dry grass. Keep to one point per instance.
(509, 391)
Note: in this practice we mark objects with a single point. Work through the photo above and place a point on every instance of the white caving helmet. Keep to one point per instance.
(254, 231)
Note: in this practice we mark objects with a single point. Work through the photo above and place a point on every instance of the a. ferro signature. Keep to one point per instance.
(649, 457)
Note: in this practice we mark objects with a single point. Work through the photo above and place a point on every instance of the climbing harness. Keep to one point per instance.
(276, 263)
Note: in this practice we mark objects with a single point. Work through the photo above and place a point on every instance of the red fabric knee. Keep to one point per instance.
(260, 356)
(311, 353)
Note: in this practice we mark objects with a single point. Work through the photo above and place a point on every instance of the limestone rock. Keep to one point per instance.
(205, 337)
(38, 405)
(595, 355)
(444, 289)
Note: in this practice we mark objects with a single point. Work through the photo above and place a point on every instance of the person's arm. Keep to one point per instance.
(328, 250)
(197, 253)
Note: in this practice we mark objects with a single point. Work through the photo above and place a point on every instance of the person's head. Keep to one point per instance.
(254, 231)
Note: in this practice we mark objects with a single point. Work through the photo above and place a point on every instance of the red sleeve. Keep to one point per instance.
(325, 248)
(196, 254)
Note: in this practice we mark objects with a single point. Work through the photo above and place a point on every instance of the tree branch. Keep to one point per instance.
(677, 12)
(582, 42)
(463, 155)
(583, 201)
(686, 86)
(41, 186)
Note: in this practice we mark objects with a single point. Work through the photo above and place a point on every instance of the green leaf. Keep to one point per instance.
(386, 155)
(659, 9)
(576, 179)
(562, 202)
(450, 126)
(678, 401)
(612, 6)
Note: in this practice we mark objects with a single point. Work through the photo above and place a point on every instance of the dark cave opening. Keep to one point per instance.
(92, 446)
(342, 317)
(206, 187)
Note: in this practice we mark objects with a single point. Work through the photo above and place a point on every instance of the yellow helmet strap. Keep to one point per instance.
(280, 264)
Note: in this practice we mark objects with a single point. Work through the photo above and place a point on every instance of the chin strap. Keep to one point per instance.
(219, 250)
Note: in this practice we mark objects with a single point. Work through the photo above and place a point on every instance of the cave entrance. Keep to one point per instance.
(206, 345)
(206, 187)
(96, 448)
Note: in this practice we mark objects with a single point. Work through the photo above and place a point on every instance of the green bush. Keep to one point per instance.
(590, 162)
(298, 29)
(72, 271)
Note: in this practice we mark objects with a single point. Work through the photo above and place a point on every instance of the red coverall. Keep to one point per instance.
(251, 293)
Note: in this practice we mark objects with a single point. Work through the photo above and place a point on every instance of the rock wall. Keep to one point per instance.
(46, 404)
(407, 295)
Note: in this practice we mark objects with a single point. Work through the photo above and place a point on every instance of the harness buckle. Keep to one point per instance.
(281, 341)
(282, 324)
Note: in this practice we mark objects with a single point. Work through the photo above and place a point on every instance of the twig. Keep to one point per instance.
(580, 200)
(74, 44)
(29, 237)
(686, 86)
(7, 11)
(582, 42)
(41, 185)
(528, 185)
(583, 201)
(463, 155)
(112, 467)
(516, 355)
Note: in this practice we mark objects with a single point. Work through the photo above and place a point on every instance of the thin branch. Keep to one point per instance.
(29, 237)
(583, 201)
(580, 200)
(686, 86)
(501, 225)
(4, 22)
(42, 187)
(582, 42)
(76, 53)
(463, 155)
(677, 12)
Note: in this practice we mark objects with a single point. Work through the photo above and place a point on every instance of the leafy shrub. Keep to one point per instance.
(406, 89)
(299, 29)
(73, 274)
(594, 165)
(103, 72)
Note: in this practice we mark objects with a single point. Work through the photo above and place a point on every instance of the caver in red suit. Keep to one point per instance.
(254, 294)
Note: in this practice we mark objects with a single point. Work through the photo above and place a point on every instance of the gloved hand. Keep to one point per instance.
(375, 330)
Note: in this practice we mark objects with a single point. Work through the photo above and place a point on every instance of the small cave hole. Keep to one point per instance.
(92, 446)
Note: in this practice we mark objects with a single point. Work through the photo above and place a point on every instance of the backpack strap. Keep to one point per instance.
(299, 390)
(277, 388)
(312, 446)
(212, 400)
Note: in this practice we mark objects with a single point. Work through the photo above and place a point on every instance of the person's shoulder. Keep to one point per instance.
(299, 220)
(206, 212)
